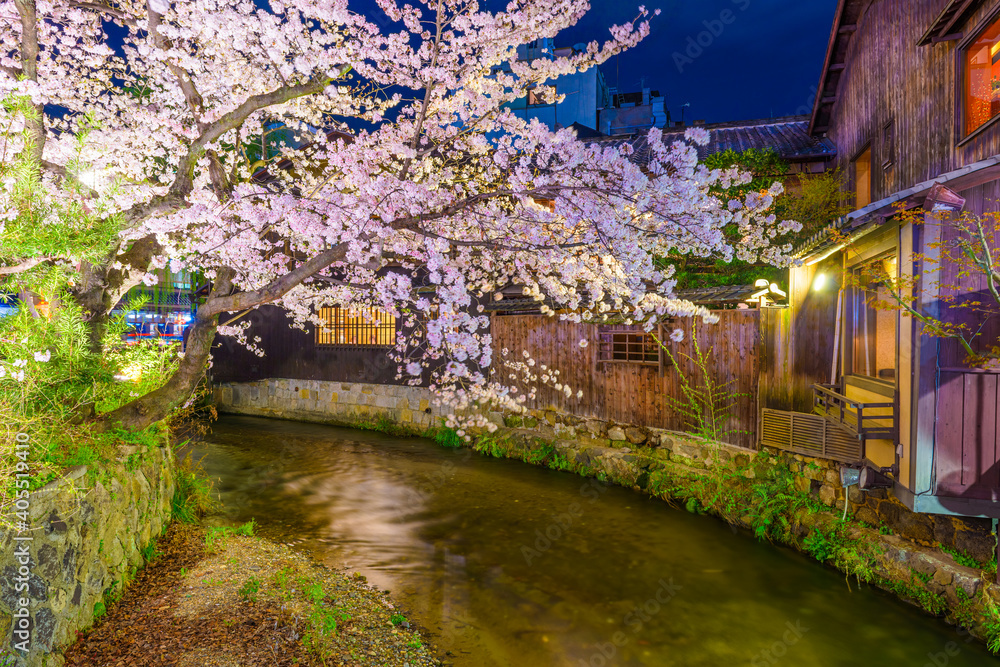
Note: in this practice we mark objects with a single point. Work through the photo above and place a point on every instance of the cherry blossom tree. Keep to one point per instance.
(131, 124)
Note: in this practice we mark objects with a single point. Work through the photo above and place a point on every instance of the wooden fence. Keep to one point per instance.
(636, 393)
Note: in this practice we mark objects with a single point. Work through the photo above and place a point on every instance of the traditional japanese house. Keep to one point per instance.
(910, 97)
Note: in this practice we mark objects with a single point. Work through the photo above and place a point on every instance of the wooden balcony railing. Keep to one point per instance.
(865, 420)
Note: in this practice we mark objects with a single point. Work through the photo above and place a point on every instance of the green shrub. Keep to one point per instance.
(193, 497)
(822, 545)
(447, 437)
(216, 533)
(248, 591)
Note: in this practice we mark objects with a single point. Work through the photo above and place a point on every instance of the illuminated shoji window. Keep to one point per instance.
(367, 327)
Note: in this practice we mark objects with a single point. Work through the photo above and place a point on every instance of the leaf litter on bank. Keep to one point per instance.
(245, 602)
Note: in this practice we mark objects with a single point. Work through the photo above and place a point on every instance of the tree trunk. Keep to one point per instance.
(158, 404)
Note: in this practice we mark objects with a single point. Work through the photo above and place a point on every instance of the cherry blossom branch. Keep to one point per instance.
(113, 12)
(419, 127)
(183, 184)
(276, 288)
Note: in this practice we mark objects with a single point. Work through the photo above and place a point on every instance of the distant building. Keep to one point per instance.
(166, 309)
(633, 112)
(588, 102)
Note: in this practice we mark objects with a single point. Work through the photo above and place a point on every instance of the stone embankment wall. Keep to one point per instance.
(87, 541)
(344, 403)
(910, 562)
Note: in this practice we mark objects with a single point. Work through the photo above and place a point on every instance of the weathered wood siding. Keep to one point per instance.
(633, 393)
(797, 347)
(889, 79)
(966, 452)
(966, 457)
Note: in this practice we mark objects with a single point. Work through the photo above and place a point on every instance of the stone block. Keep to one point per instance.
(424, 405)
(616, 433)
(814, 472)
(827, 495)
(565, 431)
(636, 436)
(688, 451)
(943, 576)
(367, 389)
(406, 416)
(593, 441)
(304, 393)
(334, 397)
(917, 527)
(973, 542)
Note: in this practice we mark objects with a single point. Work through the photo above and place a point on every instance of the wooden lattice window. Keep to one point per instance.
(631, 346)
(366, 326)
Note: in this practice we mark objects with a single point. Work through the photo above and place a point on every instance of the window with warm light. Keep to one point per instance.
(873, 319)
(863, 178)
(982, 78)
(367, 327)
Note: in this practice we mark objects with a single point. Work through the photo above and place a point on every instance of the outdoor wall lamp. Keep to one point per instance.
(767, 292)
(875, 478)
(819, 282)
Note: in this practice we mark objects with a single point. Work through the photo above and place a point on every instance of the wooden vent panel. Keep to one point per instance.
(810, 435)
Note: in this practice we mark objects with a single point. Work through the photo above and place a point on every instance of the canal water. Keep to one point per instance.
(509, 565)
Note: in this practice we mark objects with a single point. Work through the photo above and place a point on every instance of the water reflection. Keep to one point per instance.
(508, 565)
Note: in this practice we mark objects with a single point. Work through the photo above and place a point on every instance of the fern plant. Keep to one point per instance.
(706, 405)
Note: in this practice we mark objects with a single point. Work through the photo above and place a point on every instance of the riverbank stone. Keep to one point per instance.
(85, 538)
(617, 434)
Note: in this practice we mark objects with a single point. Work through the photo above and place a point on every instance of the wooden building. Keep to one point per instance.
(910, 98)
(622, 374)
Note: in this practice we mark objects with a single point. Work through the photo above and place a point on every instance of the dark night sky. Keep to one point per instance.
(729, 59)
(765, 62)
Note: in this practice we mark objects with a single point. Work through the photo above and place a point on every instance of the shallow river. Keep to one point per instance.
(506, 564)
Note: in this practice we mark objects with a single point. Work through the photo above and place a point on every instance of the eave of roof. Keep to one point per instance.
(862, 219)
(953, 14)
(844, 27)
(787, 136)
